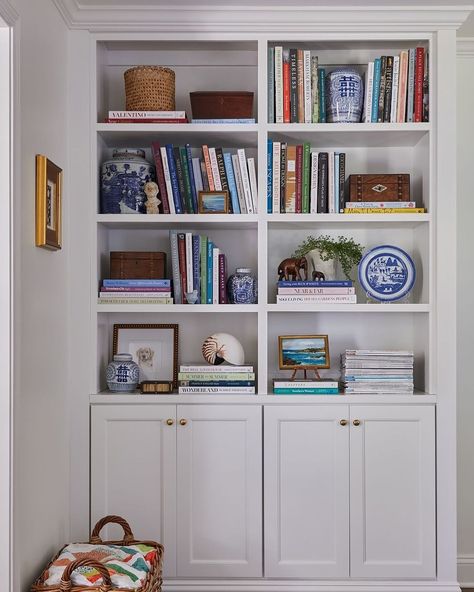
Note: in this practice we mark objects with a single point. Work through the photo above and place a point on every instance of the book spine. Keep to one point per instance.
(307, 85)
(192, 180)
(147, 114)
(203, 390)
(387, 103)
(296, 391)
(395, 83)
(305, 384)
(306, 171)
(290, 192)
(232, 185)
(322, 94)
(217, 376)
(342, 181)
(331, 201)
(215, 170)
(167, 178)
(310, 291)
(293, 87)
(221, 168)
(299, 180)
(204, 177)
(300, 83)
(238, 180)
(383, 68)
(384, 210)
(180, 177)
(320, 298)
(402, 87)
(369, 88)
(134, 290)
(222, 279)
(182, 265)
(215, 275)
(160, 177)
(245, 180)
(207, 162)
(196, 266)
(231, 120)
(186, 181)
(376, 89)
(210, 247)
(197, 175)
(278, 84)
(323, 183)
(320, 284)
(336, 182)
(222, 369)
(314, 90)
(174, 180)
(134, 294)
(189, 261)
(137, 283)
(203, 256)
(418, 98)
(216, 383)
(411, 84)
(314, 182)
(253, 182)
(276, 177)
(112, 300)
(286, 86)
(380, 204)
(271, 85)
(426, 88)
(269, 176)
(283, 151)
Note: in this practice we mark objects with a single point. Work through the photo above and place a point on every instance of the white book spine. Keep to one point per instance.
(304, 384)
(147, 114)
(253, 182)
(314, 183)
(331, 195)
(245, 180)
(228, 390)
(315, 291)
(319, 299)
(238, 181)
(381, 205)
(215, 275)
(166, 173)
(135, 295)
(189, 261)
(369, 91)
(395, 80)
(197, 174)
(215, 369)
(402, 87)
(276, 177)
(279, 84)
(307, 85)
(215, 169)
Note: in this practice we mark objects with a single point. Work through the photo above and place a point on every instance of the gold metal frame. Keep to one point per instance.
(203, 194)
(46, 237)
(299, 367)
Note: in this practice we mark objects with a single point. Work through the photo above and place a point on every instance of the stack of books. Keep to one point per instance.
(314, 292)
(305, 387)
(146, 117)
(245, 120)
(303, 182)
(397, 88)
(223, 379)
(181, 176)
(135, 292)
(382, 207)
(387, 372)
(199, 269)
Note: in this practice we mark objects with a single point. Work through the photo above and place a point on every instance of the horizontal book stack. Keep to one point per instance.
(135, 292)
(300, 181)
(316, 292)
(296, 86)
(382, 207)
(181, 176)
(397, 88)
(384, 372)
(245, 120)
(305, 387)
(223, 379)
(146, 117)
(199, 269)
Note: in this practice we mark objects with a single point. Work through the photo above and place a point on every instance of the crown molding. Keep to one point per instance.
(8, 13)
(465, 47)
(259, 18)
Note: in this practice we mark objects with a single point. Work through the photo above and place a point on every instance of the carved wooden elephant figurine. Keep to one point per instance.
(292, 267)
(318, 275)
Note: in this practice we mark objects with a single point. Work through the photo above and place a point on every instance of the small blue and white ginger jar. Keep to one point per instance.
(242, 287)
(345, 96)
(122, 374)
(122, 180)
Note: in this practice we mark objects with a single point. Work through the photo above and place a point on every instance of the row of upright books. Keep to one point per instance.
(303, 182)
(312, 292)
(135, 291)
(199, 269)
(181, 176)
(222, 379)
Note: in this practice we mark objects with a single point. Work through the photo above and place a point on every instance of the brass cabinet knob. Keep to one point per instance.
(183, 422)
(170, 421)
(343, 422)
(356, 422)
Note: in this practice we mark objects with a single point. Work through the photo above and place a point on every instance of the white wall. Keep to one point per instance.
(41, 438)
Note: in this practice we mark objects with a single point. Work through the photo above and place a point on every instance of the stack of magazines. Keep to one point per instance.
(366, 371)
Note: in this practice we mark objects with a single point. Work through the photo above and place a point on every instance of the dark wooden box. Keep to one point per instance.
(221, 104)
(379, 187)
(142, 265)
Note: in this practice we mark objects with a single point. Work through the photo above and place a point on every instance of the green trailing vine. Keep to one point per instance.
(345, 250)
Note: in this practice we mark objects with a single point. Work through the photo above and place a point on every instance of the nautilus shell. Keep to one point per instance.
(222, 347)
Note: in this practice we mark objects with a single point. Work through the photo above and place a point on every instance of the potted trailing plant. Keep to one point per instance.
(324, 253)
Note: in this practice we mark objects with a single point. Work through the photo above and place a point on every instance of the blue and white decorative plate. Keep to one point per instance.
(387, 273)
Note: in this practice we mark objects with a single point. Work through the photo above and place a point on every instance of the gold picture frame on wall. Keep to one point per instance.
(49, 179)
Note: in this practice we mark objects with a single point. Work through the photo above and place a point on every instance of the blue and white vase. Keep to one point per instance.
(122, 374)
(242, 287)
(122, 180)
(345, 96)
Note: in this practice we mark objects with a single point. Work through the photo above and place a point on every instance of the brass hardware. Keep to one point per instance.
(356, 422)
(343, 422)
(170, 421)
(183, 422)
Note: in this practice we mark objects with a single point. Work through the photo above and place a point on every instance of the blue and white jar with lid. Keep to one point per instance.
(345, 96)
(122, 374)
(242, 287)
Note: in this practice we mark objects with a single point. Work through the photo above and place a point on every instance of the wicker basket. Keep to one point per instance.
(152, 582)
(149, 88)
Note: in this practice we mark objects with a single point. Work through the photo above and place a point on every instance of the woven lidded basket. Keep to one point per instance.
(153, 579)
(149, 88)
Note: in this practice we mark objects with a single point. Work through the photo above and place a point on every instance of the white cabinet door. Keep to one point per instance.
(133, 472)
(306, 491)
(219, 508)
(393, 492)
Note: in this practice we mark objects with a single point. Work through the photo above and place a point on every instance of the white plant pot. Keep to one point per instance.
(315, 263)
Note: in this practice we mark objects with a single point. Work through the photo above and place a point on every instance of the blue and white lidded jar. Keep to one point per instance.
(122, 180)
(345, 96)
(122, 374)
(242, 287)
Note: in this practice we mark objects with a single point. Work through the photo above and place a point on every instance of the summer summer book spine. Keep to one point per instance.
(278, 84)
(203, 257)
(221, 167)
(376, 89)
(271, 84)
(293, 86)
(306, 167)
(192, 180)
(228, 390)
(222, 279)
(169, 187)
(210, 247)
(234, 198)
(283, 154)
(276, 177)
(196, 266)
(215, 169)
(174, 179)
(297, 391)
(137, 283)
(182, 264)
(215, 383)
(215, 275)
(186, 180)
(314, 90)
(179, 175)
(216, 370)
(160, 176)
(310, 284)
(210, 376)
(322, 94)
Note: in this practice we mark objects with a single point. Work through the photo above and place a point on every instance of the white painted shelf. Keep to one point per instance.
(362, 307)
(405, 220)
(180, 308)
(136, 221)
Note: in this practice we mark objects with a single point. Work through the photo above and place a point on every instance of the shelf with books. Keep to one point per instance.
(173, 221)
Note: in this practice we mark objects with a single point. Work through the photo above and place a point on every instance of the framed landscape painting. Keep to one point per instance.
(303, 352)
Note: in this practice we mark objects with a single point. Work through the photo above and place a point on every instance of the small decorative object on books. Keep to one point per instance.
(303, 352)
(242, 287)
(139, 265)
(48, 203)
(221, 104)
(122, 374)
(152, 202)
(290, 269)
(383, 187)
(222, 347)
(213, 202)
(156, 386)
(345, 90)
(149, 88)
(154, 347)
(387, 273)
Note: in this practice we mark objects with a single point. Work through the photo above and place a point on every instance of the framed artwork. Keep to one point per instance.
(49, 179)
(154, 347)
(213, 202)
(303, 352)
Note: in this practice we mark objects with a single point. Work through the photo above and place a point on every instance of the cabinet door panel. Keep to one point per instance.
(393, 492)
(306, 491)
(133, 472)
(220, 491)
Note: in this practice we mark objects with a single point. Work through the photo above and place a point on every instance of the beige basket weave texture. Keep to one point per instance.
(150, 88)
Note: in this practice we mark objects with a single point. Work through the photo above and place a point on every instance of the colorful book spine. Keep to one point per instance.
(209, 284)
(204, 177)
(315, 284)
(380, 204)
(369, 89)
(210, 390)
(207, 162)
(160, 176)
(293, 87)
(222, 279)
(418, 96)
(215, 275)
(278, 84)
(189, 261)
(342, 181)
(290, 191)
(269, 176)
(306, 179)
(331, 194)
(318, 299)
(305, 384)
(323, 183)
(192, 180)
(180, 177)
(234, 198)
(383, 68)
(307, 85)
(402, 87)
(167, 177)
(143, 120)
(182, 265)
(276, 177)
(118, 300)
(300, 83)
(309, 391)
(314, 182)
(310, 291)
(203, 266)
(178, 204)
(387, 104)
(286, 86)
(253, 182)
(187, 181)
(395, 84)
(299, 180)
(196, 266)
(314, 90)
(223, 120)
(222, 368)
(134, 294)
(411, 84)
(216, 383)
(336, 181)
(376, 89)
(197, 176)
(322, 94)
(215, 170)
(147, 114)
(221, 167)
(134, 290)
(245, 180)
(217, 376)
(283, 151)
(384, 210)
(238, 181)
(426, 88)
(271, 85)
(136, 283)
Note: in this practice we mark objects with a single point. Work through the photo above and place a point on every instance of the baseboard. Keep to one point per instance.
(466, 571)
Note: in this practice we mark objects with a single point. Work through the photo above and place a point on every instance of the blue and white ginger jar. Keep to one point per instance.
(122, 180)
(345, 96)
(122, 374)
(242, 287)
